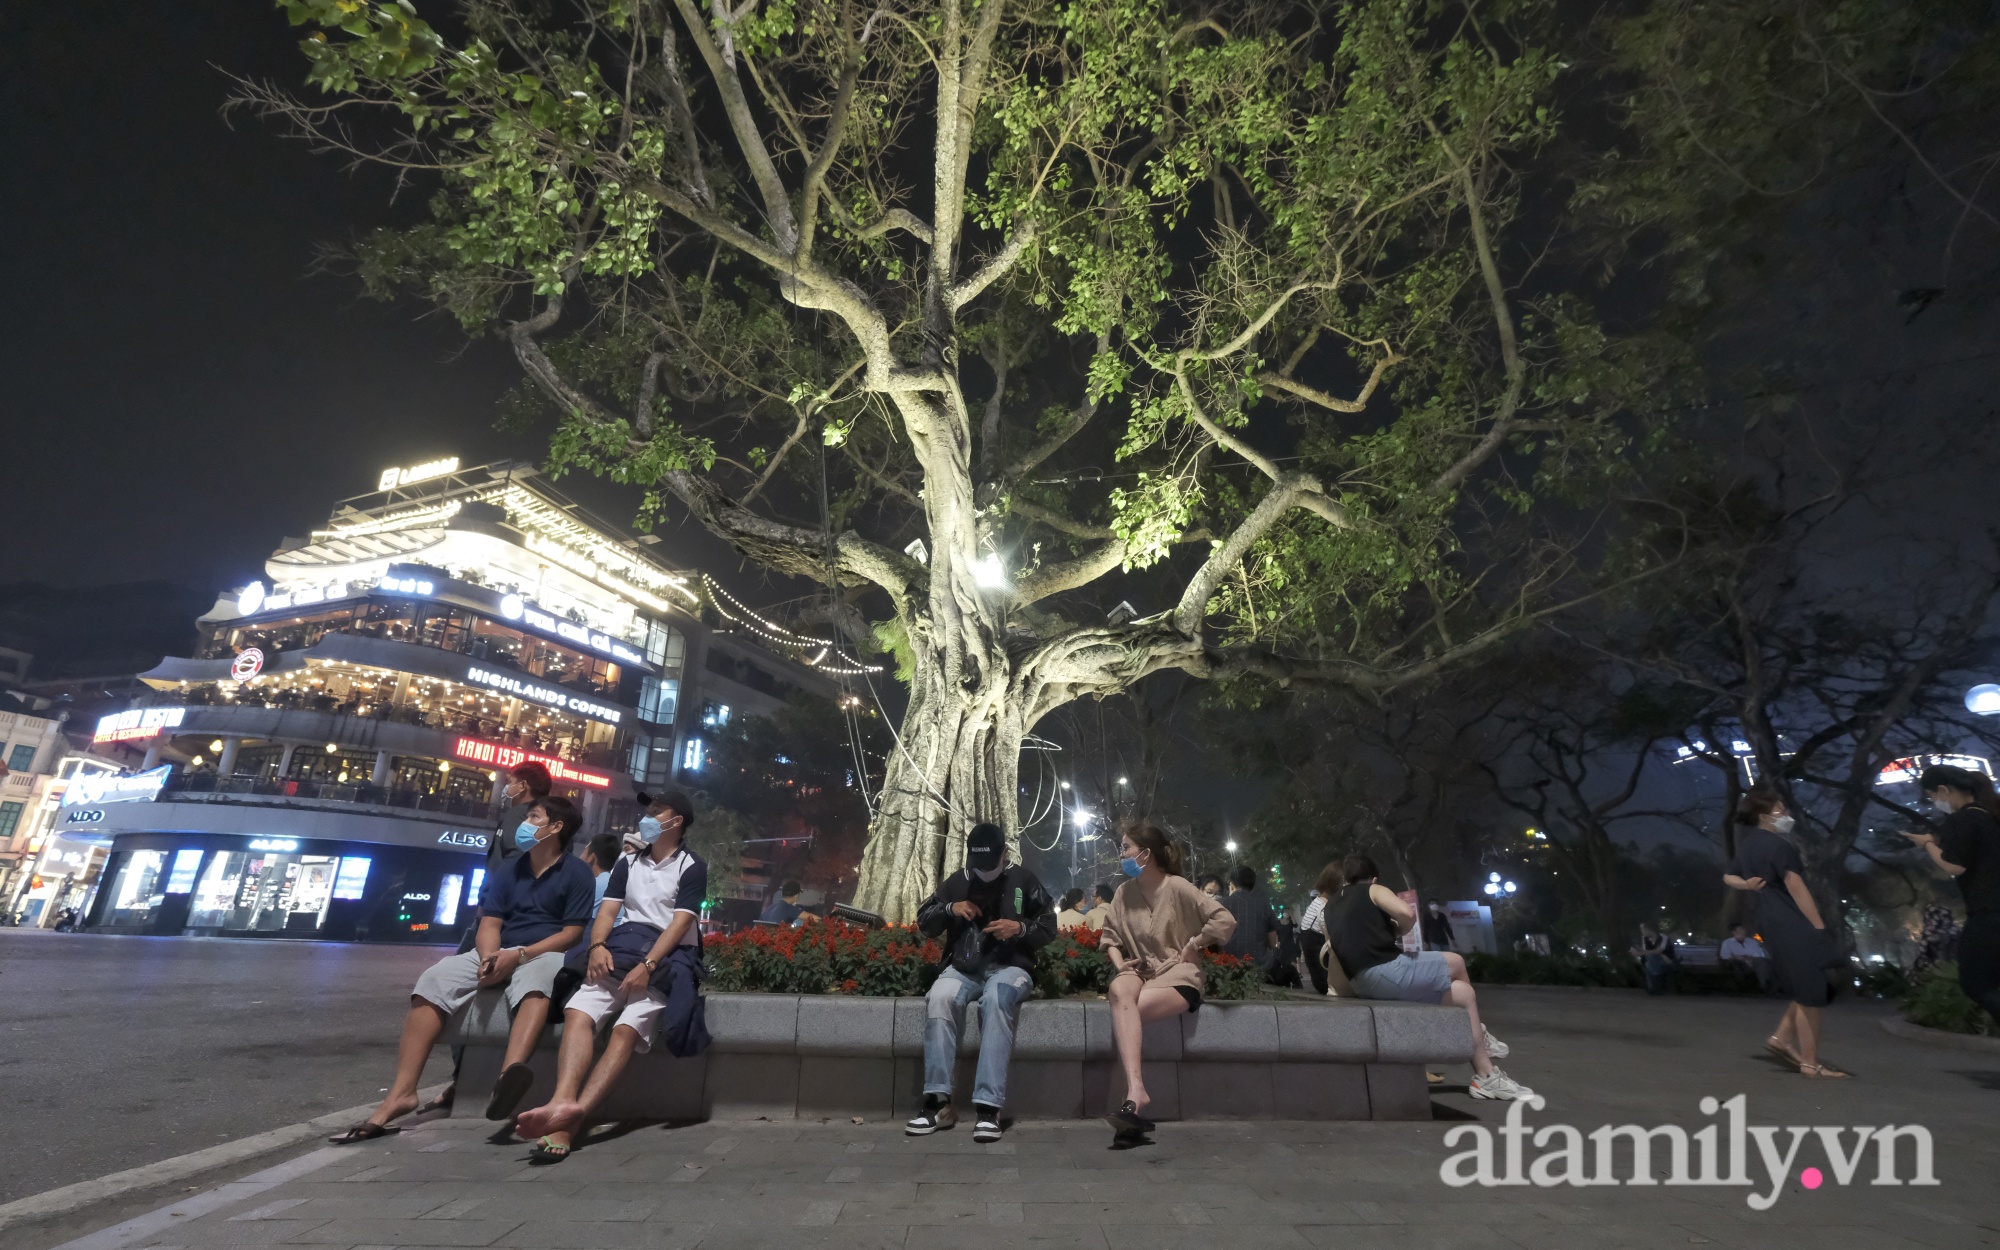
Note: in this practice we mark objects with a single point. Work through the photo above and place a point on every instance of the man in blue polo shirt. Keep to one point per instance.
(645, 970)
(530, 911)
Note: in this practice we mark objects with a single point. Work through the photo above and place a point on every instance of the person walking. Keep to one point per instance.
(1160, 923)
(1967, 846)
(992, 918)
(1365, 922)
(1768, 866)
(1436, 928)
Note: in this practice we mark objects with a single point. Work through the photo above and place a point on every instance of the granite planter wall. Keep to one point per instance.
(793, 1056)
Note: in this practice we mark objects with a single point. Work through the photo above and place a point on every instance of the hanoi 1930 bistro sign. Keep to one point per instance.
(504, 758)
(139, 722)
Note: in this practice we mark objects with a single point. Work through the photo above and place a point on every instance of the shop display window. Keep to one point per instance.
(450, 891)
(352, 878)
(264, 893)
(135, 892)
(187, 862)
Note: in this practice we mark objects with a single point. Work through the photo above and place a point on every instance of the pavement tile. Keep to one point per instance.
(845, 1238)
(252, 1233)
(1406, 1237)
(1152, 1237)
(407, 1233)
(595, 1235)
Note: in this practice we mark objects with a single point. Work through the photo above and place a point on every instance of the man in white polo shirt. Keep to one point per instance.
(635, 967)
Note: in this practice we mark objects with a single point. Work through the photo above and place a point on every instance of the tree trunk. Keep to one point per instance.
(955, 764)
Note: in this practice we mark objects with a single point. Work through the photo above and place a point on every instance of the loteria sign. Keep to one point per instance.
(494, 755)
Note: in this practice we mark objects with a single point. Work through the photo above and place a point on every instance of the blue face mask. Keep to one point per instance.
(1130, 866)
(524, 836)
(649, 829)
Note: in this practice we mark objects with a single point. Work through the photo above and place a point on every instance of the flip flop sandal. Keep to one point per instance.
(367, 1130)
(1127, 1120)
(546, 1152)
(509, 1090)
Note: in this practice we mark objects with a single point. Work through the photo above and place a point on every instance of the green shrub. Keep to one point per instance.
(1936, 1001)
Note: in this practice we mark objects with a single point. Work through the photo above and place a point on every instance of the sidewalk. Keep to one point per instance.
(1245, 1186)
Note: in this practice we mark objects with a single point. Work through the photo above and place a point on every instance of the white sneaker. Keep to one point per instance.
(986, 1126)
(1499, 1086)
(1495, 1048)
(930, 1120)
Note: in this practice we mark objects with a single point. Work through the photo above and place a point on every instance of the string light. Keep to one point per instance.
(777, 634)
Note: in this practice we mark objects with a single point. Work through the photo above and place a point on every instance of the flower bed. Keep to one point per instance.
(898, 962)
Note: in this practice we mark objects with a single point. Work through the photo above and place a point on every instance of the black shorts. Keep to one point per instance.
(1192, 995)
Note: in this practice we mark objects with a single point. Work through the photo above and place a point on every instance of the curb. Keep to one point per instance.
(1896, 1026)
(72, 1198)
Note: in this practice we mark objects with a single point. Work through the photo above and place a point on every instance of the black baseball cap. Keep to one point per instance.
(984, 845)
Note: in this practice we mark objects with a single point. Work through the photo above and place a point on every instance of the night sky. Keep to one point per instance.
(181, 393)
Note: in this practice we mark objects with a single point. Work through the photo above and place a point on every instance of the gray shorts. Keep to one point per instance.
(1420, 978)
(450, 983)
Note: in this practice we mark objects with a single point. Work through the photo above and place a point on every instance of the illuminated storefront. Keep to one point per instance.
(329, 761)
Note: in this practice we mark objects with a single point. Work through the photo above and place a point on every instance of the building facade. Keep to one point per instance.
(330, 761)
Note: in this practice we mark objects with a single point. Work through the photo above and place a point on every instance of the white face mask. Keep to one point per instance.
(1783, 824)
(1938, 804)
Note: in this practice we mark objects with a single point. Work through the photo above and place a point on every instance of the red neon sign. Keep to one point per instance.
(497, 756)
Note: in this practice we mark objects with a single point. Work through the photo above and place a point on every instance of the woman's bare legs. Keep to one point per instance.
(1134, 1005)
(1460, 995)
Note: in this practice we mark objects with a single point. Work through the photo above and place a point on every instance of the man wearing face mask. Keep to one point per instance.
(991, 917)
(530, 912)
(644, 971)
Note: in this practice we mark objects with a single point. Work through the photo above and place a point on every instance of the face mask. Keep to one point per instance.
(525, 836)
(1940, 805)
(649, 829)
(988, 874)
(1130, 866)
(1783, 824)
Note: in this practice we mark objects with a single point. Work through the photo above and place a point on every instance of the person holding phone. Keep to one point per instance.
(1967, 846)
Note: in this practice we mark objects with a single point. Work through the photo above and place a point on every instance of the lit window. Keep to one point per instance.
(186, 862)
(694, 755)
(715, 715)
(449, 892)
(351, 878)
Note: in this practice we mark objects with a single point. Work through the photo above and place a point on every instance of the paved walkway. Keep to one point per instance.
(1600, 1058)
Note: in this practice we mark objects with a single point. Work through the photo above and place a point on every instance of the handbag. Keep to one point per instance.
(1337, 984)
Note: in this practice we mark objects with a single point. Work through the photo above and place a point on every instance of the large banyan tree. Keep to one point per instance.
(988, 314)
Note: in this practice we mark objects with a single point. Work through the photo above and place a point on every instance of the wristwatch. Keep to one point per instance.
(652, 965)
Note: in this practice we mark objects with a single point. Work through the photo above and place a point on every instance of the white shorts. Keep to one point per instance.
(641, 1013)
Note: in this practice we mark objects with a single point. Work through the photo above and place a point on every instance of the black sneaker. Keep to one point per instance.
(937, 1114)
(986, 1123)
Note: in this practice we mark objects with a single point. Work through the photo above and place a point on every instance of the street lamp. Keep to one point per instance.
(1983, 700)
(1230, 847)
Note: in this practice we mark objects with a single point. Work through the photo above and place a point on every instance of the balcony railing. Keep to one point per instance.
(181, 784)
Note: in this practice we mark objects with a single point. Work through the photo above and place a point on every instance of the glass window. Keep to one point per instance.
(715, 715)
(21, 758)
(283, 894)
(659, 699)
(133, 895)
(665, 646)
(187, 862)
(450, 890)
(215, 896)
(10, 818)
(352, 877)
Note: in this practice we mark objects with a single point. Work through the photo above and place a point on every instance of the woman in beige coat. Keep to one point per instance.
(1159, 924)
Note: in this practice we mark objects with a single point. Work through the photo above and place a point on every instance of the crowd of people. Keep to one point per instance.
(639, 900)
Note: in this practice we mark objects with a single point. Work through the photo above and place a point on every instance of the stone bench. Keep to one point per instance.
(812, 1056)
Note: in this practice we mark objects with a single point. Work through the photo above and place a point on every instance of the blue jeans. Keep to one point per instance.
(944, 1015)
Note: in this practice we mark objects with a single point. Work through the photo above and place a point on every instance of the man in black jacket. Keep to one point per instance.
(991, 918)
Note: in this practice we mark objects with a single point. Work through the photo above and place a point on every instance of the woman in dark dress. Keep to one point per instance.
(1788, 922)
(1967, 846)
